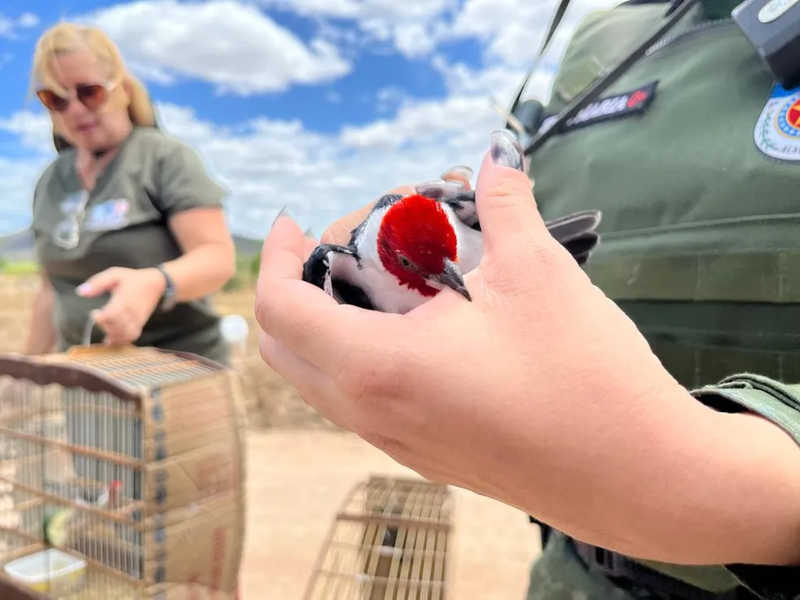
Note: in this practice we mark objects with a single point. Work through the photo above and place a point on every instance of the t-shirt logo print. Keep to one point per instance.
(777, 132)
(111, 214)
(67, 233)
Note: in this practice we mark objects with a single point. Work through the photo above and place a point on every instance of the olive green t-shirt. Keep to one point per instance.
(124, 225)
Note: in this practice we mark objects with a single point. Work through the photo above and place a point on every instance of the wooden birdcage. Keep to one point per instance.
(121, 476)
(389, 541)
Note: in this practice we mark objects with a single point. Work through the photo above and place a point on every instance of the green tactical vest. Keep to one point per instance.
(701, 228)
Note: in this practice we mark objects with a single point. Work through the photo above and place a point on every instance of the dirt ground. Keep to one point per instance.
(302, 477)
(300, 468)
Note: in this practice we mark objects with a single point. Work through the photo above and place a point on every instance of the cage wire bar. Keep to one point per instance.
(389, 541)
(72, 467)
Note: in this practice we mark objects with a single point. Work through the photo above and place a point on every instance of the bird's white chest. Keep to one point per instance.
(382, 287)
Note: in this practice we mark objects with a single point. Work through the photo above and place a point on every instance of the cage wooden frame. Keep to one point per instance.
(389, 541)
(136, 387)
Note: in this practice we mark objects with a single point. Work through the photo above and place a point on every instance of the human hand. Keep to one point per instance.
(484, 394)
(135, 294)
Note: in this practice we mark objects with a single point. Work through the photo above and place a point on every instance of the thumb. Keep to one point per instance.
(100, 283)
(506, 208)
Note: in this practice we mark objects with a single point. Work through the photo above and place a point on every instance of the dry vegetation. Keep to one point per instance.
(299, 469)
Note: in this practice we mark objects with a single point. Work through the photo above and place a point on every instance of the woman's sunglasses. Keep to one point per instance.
(91, 95)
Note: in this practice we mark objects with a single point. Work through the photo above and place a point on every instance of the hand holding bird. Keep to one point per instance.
(486, 394)
(413, 243)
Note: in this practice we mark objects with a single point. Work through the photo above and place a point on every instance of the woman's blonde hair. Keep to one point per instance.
(68, 37)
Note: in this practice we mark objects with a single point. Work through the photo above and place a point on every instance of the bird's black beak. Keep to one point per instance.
(451, 277)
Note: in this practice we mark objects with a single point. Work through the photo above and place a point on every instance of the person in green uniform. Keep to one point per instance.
(129, 228)
(696, 169)
(646, 410)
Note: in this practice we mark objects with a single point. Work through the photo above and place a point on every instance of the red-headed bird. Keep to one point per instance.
(411, 247)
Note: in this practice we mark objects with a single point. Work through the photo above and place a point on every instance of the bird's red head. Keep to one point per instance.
(414, 239)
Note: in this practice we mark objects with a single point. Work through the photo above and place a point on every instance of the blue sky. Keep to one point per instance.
(319, 105)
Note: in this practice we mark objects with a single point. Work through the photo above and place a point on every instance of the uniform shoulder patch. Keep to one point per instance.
(617, 106)
(777, 132)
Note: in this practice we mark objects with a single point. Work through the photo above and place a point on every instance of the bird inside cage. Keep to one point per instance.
(128, 463)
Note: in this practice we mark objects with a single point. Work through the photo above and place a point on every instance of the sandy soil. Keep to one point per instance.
(297, 479)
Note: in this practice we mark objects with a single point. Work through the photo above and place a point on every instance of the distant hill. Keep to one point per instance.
(247, 246)
(19, 246)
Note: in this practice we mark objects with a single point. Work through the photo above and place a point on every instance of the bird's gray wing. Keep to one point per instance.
(577, 232)
(574, 225)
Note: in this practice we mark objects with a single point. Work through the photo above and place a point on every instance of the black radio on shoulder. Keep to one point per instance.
(773, 27)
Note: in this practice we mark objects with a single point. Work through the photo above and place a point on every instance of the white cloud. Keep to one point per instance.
(228, 43)
(9, 25)
(17, 184)
(413, 28)
(33, 131)
(28, 20)
(6, 27)
(267, 164)
(33, 128)
(422, 121)
(390, 98)
(513, 31)
(385, 11)
(499, 80)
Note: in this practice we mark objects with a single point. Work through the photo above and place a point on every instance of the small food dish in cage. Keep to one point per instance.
(49, 571)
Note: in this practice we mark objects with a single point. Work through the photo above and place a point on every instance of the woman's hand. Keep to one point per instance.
(540, 392)
(135, 294)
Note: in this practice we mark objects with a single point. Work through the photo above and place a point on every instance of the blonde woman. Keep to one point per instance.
(129, 228)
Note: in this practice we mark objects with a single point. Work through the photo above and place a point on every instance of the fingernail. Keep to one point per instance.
(506, 150)
(436, 190)
(284, 211)
(460, 171)
(82, 289)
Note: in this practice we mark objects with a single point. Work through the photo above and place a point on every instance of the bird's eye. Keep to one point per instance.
(405, 262)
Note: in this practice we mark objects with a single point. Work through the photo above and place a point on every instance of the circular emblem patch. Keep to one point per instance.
(789, 119)
(777, 132)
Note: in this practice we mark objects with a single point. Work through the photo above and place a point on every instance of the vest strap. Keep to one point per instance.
(644, 582)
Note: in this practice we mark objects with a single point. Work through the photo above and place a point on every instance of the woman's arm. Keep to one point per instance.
(206, 264)
(208, 259)
(42, 332)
